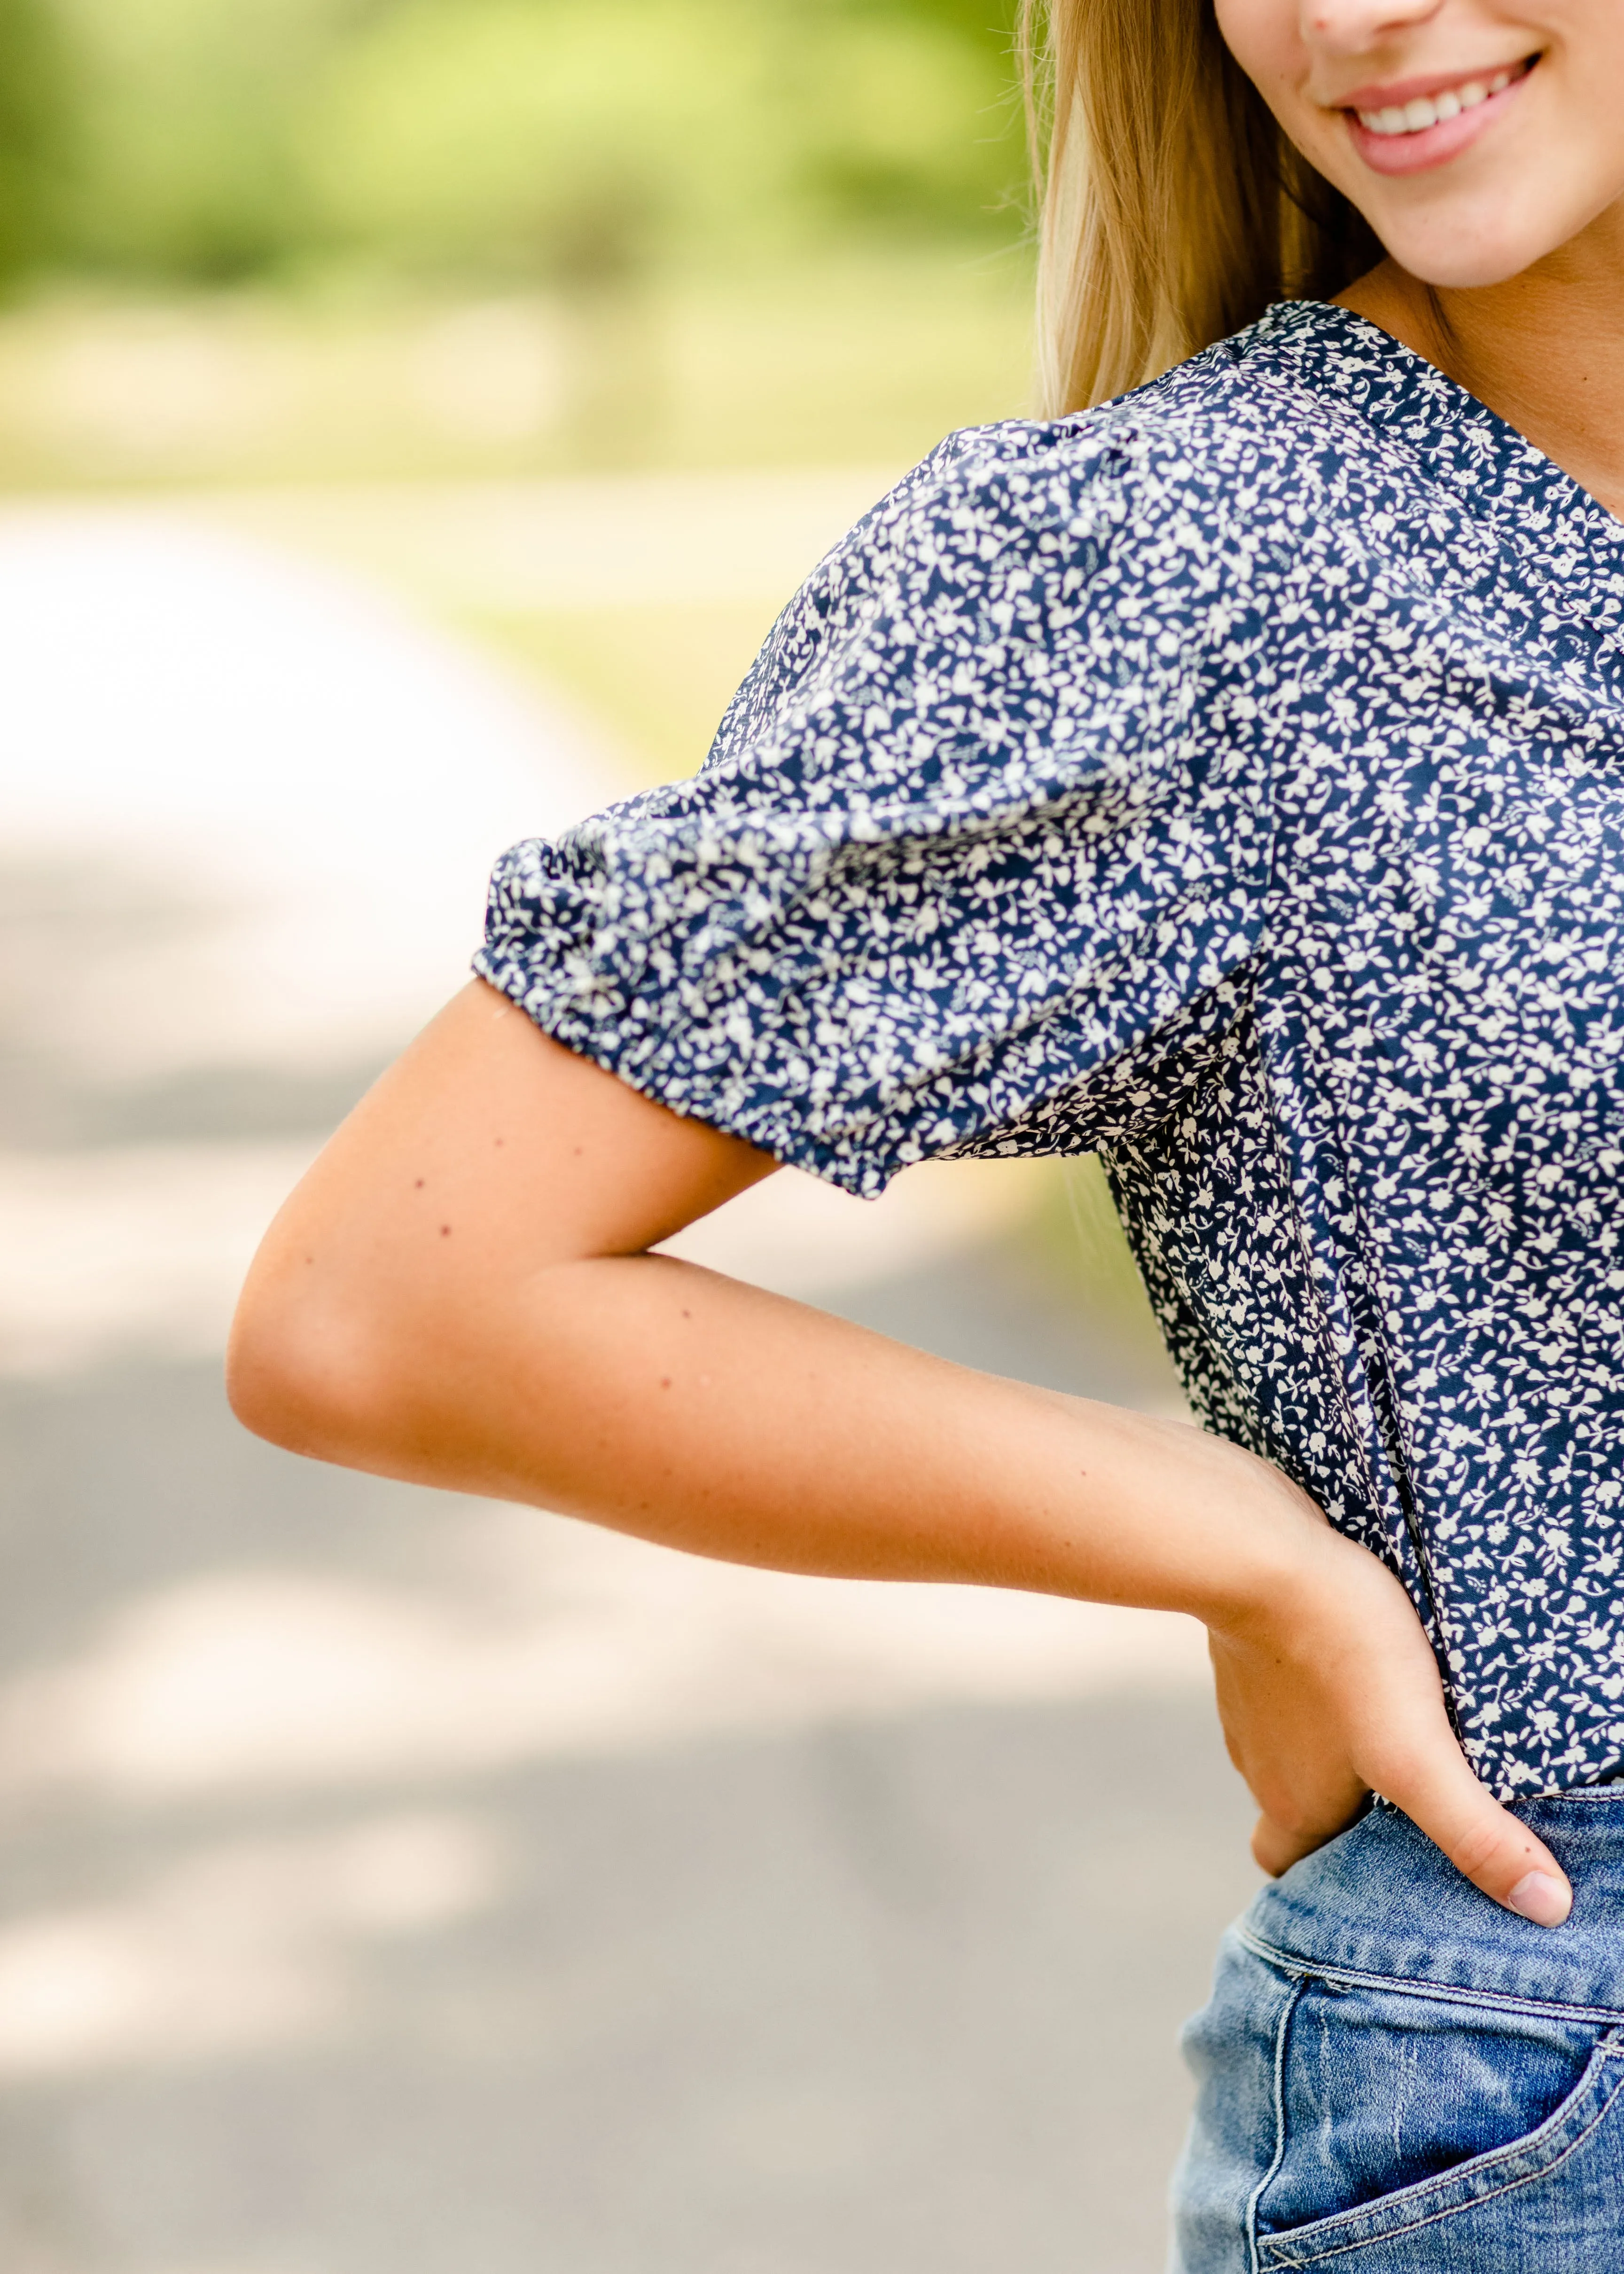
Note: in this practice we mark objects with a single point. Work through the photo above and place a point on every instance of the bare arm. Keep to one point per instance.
(459, 1293)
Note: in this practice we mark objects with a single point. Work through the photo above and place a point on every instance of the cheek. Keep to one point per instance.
(1596, 45)
(1264, 38)
(1541, 189)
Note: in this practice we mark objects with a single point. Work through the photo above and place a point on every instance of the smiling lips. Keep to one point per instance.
(1420, 126)
(1415, 117)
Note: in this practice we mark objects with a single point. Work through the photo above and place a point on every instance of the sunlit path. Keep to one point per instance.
(300, 786)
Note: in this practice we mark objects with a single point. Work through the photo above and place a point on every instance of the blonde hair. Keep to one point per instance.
(1173, 208)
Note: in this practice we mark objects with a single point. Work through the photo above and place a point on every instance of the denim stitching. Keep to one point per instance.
(1402, 1985)
(1282, 2254)
(1611, 1794)
(1282, 2031)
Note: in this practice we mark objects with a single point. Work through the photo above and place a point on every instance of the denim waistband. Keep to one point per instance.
(1382, 1902)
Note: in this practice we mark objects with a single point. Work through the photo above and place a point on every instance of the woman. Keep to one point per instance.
(1230, 780)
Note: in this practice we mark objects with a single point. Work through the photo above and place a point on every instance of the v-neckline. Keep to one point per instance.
(1490, 465)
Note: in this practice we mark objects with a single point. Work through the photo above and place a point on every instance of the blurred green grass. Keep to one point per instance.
(656, 678)
(864, 357)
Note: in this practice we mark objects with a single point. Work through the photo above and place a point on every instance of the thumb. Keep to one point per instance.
(1482, 1839)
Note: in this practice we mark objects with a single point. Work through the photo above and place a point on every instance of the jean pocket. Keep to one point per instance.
(1427, 2133)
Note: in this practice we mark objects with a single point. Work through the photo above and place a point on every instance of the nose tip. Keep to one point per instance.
(1357, 23)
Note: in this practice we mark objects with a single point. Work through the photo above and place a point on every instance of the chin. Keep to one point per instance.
(1464, 260)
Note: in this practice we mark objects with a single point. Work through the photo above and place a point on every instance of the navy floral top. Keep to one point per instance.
(1229, 780)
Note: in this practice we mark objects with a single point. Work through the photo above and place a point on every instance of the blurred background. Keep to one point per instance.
(412, 415)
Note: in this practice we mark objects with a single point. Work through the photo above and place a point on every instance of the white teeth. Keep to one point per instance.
(1415, 117)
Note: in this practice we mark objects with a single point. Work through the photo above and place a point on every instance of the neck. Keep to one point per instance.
(1544, 350)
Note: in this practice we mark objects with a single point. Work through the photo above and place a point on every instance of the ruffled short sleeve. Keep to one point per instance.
(985, 820)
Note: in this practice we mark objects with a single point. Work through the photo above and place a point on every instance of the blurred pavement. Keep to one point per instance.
(397, 1882)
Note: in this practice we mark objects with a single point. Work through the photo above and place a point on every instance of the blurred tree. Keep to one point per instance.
(565, 134)
(187, 135)
(573, 138)
(583, 142)
(36, 124)
(903, 119)
(587, 144)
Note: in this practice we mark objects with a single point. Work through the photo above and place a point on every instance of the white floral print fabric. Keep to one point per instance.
(1229, 780)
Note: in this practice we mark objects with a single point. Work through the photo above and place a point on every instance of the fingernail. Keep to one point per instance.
(1538, 1897)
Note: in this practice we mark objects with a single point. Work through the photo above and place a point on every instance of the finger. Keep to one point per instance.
(1482, 1839)
(1276, 1847)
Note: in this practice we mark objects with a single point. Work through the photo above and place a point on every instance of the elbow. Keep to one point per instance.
(306, 1369)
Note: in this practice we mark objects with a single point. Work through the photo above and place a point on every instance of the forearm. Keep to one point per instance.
(461, 1293)
(668, 1401)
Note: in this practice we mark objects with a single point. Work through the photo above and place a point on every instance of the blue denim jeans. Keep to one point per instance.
(1396, 2076)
